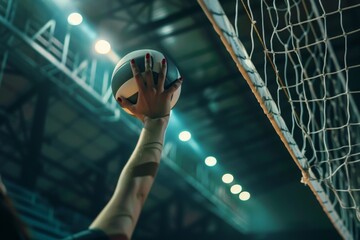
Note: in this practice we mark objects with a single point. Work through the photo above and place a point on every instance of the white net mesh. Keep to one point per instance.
(307, 54)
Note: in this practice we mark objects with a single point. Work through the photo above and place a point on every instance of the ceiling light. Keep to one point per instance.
(75, 18)
(185, 136)
(227, 178)
(235, 189)
(244, 196)
(102, 47)
(210, 161)
(166, 29)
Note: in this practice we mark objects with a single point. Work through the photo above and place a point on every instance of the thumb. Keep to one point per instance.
(170, 91)
(125, 103)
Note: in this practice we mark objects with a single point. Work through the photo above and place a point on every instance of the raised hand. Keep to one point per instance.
(153, 100)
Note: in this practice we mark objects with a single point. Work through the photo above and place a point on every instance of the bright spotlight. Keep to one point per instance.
(185, 136)
(235, 189)
(75, 18)
(244, 196)
(227, 178)
(102, 47)
(210, 161)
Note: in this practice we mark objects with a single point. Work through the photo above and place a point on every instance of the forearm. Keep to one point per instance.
(121, 213)
(140, 170)
(150, 143)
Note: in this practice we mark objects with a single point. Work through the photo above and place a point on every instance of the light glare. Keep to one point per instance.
(235, 189)
(75, 18)
(185, 136)
(166, 29)
(210, 161)
(102, 47)
(244, 196)
(227, 178)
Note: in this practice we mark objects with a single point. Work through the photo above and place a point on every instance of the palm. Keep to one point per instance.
(153, 100)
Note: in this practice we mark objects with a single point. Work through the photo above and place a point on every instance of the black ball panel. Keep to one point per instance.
(171, 73)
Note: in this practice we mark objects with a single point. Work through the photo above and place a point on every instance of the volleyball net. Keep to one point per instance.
(302, 63)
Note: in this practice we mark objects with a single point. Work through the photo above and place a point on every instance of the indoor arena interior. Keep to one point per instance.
(179, 120)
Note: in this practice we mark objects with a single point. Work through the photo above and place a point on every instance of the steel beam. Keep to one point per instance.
(32, 165)
(92, 99)
(70, 79)
(3, 65)
(218, 202)
(152, 26)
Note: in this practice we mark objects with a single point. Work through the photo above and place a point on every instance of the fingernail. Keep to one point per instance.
(163, 61)
(181, 78)
(132, 61)
(119, 99)
(147, 56)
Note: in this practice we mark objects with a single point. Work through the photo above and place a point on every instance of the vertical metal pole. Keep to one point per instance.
(105, 84)
(9, 9)
(92, 73)
(65, 48)
(3, 65)
(32, 165)
(13, 11)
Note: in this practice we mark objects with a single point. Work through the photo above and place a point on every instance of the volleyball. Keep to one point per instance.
(124, 84)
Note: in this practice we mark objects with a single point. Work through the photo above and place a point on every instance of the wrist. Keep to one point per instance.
(156, 127)
(153, 123)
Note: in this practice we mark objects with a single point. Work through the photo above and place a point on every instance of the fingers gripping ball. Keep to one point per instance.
(124, 84)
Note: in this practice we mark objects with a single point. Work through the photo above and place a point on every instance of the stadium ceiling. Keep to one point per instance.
(64, 137)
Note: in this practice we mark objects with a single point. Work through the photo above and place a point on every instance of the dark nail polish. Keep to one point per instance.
(147, 56)
(132, 61)
(119, 99)
(163, 61)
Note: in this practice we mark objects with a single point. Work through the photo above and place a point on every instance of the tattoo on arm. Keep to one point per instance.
(145, 169)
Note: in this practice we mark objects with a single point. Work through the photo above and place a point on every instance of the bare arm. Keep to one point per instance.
(121, 213)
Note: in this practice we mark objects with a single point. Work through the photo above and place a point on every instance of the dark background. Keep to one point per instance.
(57, 145)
